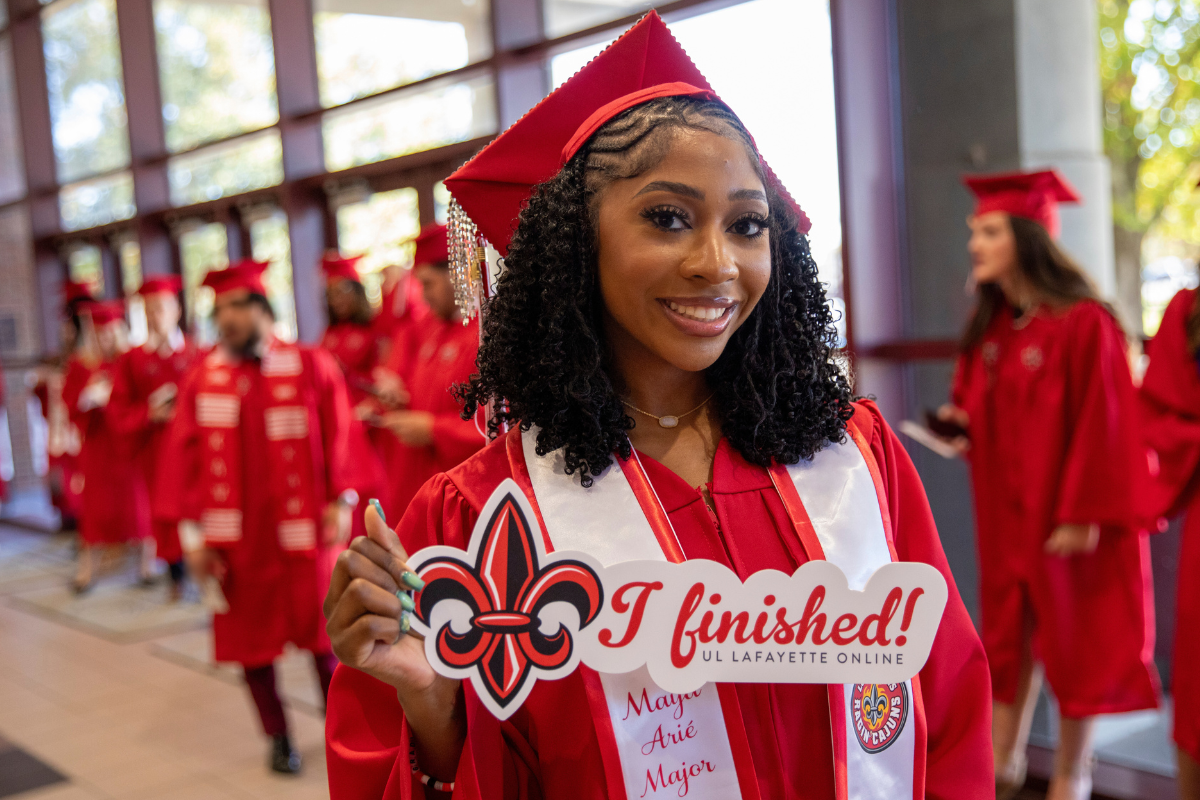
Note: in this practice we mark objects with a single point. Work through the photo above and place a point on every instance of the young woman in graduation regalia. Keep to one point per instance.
(1044, 392)
(1170, 402)
(660, 347)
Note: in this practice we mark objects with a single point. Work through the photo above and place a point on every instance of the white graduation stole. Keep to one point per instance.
(666, 742)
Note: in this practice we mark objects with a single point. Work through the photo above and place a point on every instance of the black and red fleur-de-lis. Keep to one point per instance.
(506, 589)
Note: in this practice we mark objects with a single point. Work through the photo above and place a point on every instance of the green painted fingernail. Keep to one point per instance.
(405, 622)
(412, 579)
(406, 601)
(378, 510)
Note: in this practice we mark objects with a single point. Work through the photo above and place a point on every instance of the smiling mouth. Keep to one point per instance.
(698, 313)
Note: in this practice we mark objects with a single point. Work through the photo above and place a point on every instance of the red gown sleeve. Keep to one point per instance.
(1170, 409)
(335, 412)
(177, 482)
(1104, 465)
(955, 682)
(366, 739)
(127, 416)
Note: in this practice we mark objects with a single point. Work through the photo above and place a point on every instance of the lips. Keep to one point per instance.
(699, 316)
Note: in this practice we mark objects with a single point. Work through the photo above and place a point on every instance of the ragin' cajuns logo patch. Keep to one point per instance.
(880, 711)
(504, 614)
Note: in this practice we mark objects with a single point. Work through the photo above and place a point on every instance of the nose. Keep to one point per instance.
(711, 259)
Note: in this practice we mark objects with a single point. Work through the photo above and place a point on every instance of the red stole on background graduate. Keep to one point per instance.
(837, 504)
(218, 415)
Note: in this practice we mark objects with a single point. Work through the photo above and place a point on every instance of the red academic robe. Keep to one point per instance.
(355, 348)
(274, 596)
(62, 447)
(115, 506)
(550, 748)
(437, 356)
(1054, 440)
(137, 375)
(1170, 398)
(402, 312)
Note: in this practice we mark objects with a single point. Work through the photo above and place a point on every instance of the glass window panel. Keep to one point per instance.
(84, 266)
(87, 100)
(441, 203)
(97, 202)
(269, 242)
(253, 162)
(567, 16)
(410, 122)
(12, 173)
(129, 256)
(379, 229)
(564, 65)
(217, 69)
(18, 277)
(357, 54)
(202, 248)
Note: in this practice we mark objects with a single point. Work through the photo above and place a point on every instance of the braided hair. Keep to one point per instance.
(543, 358)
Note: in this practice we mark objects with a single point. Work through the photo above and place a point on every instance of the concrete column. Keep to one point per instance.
(1059, 116)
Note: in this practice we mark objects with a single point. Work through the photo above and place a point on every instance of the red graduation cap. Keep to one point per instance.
(644, 64)
(1030, 195)
(245, 274)
(73, 290)
(338, 268)
(103, 312)
(166, 284)
(431, 245)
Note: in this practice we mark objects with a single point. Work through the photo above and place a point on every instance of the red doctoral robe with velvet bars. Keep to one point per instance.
(137, 375)
(431, 360)
(114, 505)
(1054, 440)
(1170, 398)
(550, 749)
(274, 596)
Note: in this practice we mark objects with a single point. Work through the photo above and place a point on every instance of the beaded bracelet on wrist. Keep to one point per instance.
(437, 786)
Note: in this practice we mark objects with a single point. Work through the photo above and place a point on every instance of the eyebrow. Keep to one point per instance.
(684, 190)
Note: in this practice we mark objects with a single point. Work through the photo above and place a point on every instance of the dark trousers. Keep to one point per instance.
(261, 681)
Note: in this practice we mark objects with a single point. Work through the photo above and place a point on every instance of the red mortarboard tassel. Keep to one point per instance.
(490, 190)
(1029, 195)
(167, 284)
(338, 268)
(245, 274)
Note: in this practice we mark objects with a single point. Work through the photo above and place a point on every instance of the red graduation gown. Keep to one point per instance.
(1054, 440)
(1170, 398)
(356, 350)
(550, 747)
(114, 506)
(62, 445)
(438, 356)
(137, 375)
(274, 596)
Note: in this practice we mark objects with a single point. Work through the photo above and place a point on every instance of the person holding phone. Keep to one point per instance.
(1043, 393)
(145, 384)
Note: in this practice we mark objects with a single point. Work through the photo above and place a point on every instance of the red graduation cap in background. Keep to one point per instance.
(645, 63)
(104, 311)
(167, 284)
(245, 274)
(72, 291)
(338, 268)
(1030, 195)
(431, 245)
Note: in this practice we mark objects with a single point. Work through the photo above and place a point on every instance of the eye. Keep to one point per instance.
(667, 218)
(751, 226)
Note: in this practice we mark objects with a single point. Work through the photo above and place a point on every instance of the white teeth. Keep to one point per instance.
(700, 313)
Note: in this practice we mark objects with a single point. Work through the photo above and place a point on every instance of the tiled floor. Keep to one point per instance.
(126, 717)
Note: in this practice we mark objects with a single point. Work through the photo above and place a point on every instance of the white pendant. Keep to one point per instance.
(668, 421)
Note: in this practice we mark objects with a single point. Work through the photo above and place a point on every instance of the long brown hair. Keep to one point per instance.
(1193, 327)
(1053, 275)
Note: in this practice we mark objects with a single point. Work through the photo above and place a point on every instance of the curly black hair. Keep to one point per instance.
(779, 395)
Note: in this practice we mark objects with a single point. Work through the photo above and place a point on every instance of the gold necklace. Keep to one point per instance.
(670, 420)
